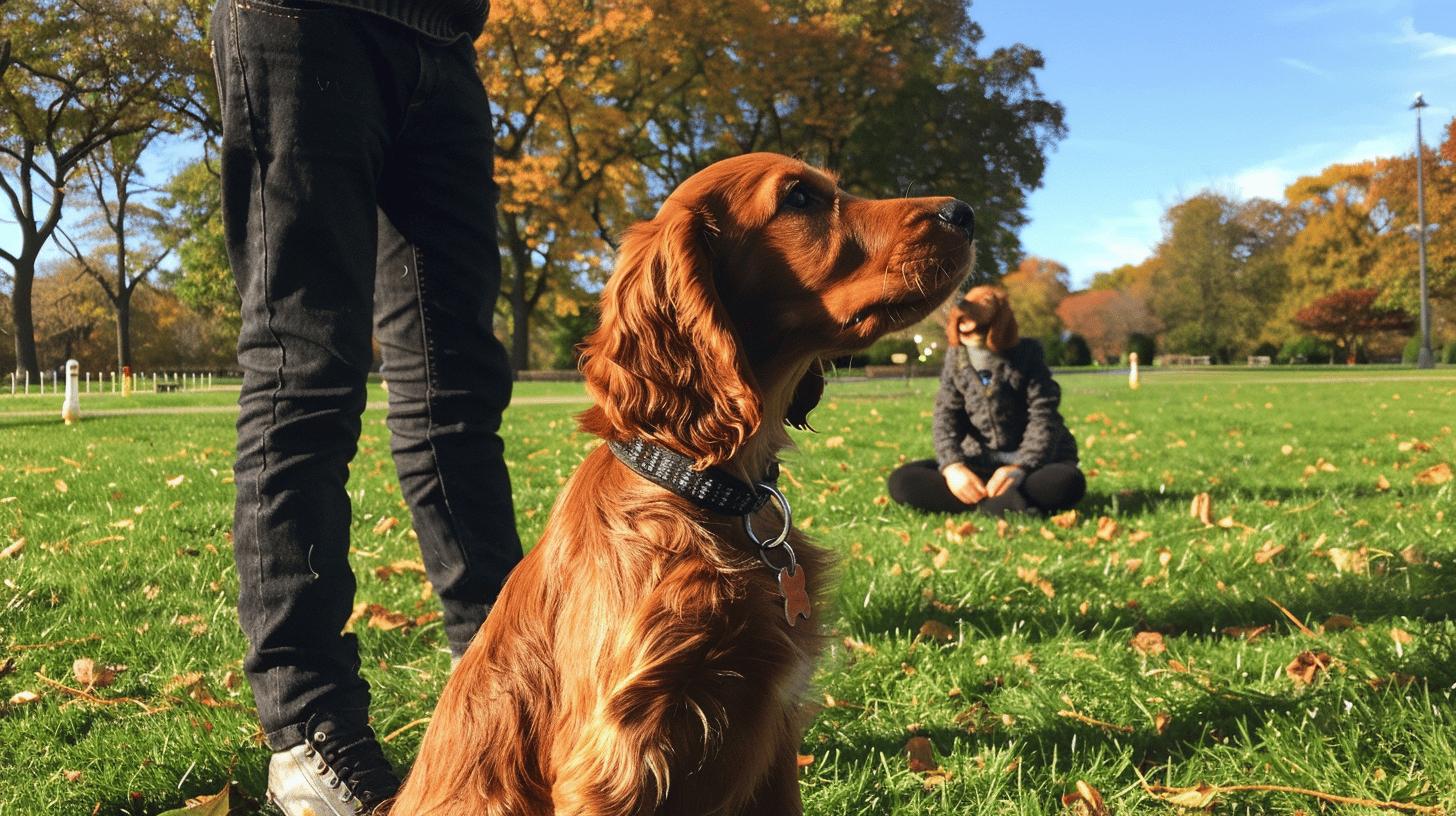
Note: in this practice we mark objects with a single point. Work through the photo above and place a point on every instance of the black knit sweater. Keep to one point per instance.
(443, 20)
(1012, 419)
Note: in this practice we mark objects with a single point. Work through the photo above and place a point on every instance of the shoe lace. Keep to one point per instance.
(358, 761)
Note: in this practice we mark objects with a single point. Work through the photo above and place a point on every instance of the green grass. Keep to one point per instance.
(121, 567)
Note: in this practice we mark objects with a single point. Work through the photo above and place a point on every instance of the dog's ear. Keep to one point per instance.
(1003, 335)
(665, 364)
(806, 396)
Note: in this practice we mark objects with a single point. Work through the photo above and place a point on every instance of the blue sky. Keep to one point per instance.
(1168, 98)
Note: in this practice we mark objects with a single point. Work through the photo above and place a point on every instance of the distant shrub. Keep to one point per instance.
(1306, 349)
(1055, 350)
(884, 348)
(1448, 354)
(1078, 352)
(1145, 346)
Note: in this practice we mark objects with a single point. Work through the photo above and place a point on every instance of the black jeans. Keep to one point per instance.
(357, 195)
(1048, 489)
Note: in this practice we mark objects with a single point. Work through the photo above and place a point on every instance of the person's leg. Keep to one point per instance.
(1055, 487)
(449, 377)
(306, 107)
(919, 484)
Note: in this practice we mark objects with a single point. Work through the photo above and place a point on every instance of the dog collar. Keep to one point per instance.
(712, 489)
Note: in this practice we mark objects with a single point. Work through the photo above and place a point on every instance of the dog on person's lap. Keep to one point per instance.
(642, 659)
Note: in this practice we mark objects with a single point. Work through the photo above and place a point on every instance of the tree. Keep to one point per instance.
(1036, 289)
(1349, 316)
(109, 253)
(604, 109)
(1217, 268)
(1106, 318)
(193, 228)
(76, 75)
(1393, 191)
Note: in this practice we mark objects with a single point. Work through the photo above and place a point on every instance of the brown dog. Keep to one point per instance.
(642, 659)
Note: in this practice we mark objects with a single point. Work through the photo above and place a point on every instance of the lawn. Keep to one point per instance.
(1302, 638)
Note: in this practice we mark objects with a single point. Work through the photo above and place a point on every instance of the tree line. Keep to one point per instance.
(600, 109)
(1328, 273)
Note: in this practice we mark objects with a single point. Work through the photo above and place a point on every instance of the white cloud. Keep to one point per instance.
(1301, 65)
(1432, 45)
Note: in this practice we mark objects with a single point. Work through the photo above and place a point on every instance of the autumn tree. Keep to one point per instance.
(75, 76)
(1106, 318)
(1393, 191)
(1036, 289)
(1218, 268)
(193, 229)
(1350, 316)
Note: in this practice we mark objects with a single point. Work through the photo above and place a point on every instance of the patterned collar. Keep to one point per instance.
(712, 489)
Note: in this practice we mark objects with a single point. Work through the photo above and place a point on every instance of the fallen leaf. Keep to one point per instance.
(1085, 800)
(1382, 484)
(1338, 623)
(942, 557)
(1161, 721)
(1197, 798)
(834, 442)
(12, 549)
(218, 804)
(1401, 636)
(1201, 508)
(87, 674)
(23, 697)
(62, 487)
(1148, 643)
(1286, 449)
(1106, 528)
(394, 568)
(1355, 562)
(176, 481)
(1249, 633)
(385, 619)
(385, 525)
(1434, 475)
(920, 755)
(805, 760)
(1267, 552)
(1306, 667)
(71, 776)
(937, 631)
(1065, 520)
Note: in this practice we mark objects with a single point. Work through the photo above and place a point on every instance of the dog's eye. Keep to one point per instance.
(798, 198)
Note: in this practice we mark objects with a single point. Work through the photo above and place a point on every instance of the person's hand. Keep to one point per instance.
(964, 484)
(1006, 477)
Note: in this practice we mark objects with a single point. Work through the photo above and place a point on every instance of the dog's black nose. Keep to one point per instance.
(959, 214)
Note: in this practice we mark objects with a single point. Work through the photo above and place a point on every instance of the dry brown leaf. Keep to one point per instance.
(1267, 552)
(176, 481)
(1065, 520)
(1434, 475)
(942, 557)
(920, 755)
(1249, 633)
(1084, 800)
(1355, 562)
(385, 525)
(1382, 484)
(1161, 721)
(71, 776)
(394, 568)
(12, 549)
(86, 672)
(1306, 667)
(1197, 798)
(1148, 643)
(1401, 636)
(1106, 528)
(1139, 536)
(62, 487)
(1412, 554)
(383, 618)
(23, 697)
(1337, 623)
(937, 631)
(1201, 508)
(805, 760)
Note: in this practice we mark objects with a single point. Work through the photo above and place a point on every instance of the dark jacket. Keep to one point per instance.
(1013, 420)
(443, 20)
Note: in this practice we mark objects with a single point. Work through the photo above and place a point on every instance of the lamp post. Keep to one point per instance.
(1426, 359)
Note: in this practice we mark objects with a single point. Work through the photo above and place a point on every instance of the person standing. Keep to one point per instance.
(358, 198)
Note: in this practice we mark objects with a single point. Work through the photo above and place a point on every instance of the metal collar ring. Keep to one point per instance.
(784, 510)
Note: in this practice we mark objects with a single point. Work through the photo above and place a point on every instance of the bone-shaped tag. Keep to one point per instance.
(796, 597)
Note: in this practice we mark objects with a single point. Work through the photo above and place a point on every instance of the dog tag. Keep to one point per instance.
(796, 598)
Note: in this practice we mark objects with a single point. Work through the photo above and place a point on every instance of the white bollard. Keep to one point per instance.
(113, 381)
(12, 383)
(71, 406)
(27, 382)
(1132, 374)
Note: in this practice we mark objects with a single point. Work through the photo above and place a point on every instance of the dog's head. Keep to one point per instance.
(985, 310)
(755, 269)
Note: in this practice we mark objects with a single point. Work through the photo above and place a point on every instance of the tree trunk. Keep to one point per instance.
(520, 305)
(123, 331)
(26, 358)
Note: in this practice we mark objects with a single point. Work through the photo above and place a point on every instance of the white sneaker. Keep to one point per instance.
(334, 772)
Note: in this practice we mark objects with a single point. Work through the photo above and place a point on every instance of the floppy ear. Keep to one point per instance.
(1004, 333)
(806, 396)
(664, 364)
(952, 326)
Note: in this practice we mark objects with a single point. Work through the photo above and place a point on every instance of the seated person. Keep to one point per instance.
(1000, 443)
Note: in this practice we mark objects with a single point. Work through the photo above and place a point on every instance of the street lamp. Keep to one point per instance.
(1426, 359)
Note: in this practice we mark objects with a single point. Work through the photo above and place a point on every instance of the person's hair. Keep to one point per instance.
(999, 327)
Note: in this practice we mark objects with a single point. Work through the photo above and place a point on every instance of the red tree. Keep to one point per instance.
(1350, 315)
